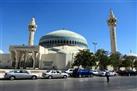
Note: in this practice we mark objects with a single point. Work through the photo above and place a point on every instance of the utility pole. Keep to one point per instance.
(94, 44)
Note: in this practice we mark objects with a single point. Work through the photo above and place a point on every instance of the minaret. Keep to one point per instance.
(112, 28)
(32, 28)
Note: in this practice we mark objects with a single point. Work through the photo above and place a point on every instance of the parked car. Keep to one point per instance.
(19, 74)
(127, 73)
(103, 73)
(69, 71)
(112, 73)
(54, 74)
(94, 72)
(81, 73)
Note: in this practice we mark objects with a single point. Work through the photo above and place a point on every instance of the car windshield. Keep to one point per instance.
(48, 71)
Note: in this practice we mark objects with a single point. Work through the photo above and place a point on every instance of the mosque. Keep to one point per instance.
(55, 50)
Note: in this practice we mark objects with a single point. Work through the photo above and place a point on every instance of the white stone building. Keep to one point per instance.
(58, 48)
(55, 50)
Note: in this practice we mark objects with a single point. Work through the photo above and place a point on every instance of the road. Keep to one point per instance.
(71, 84)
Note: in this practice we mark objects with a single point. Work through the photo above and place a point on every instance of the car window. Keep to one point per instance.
(21, 71)
(58, 72)
(48, 71)
(11, 71)
(25, 71)
(16, 71)
(54, 72)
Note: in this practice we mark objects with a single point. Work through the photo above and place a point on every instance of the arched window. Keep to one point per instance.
(50, 42)
(55, 41)
(64, 41)
(58, 41)
(70, 42)
(67, 41)
(61, 41)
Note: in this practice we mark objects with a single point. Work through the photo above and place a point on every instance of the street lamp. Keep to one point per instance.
(94, 44)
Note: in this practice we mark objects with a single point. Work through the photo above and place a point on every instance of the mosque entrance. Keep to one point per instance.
(24, 57)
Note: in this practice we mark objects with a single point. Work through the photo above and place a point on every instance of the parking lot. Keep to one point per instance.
(72, 84)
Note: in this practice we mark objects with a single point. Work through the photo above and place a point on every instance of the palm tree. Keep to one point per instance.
(102, 58)
(85, 58)
(135, 64)
(132, 60)
(126, 62)
(115, 60)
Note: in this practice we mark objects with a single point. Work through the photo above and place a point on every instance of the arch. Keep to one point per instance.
(55, 41)
(70, 42)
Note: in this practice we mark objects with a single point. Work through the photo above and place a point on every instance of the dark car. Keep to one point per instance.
(127, 73)
(81, 73)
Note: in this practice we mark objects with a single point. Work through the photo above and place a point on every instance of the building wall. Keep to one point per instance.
(56, 60)
(5, 61)
(60, 60)
(60, 57)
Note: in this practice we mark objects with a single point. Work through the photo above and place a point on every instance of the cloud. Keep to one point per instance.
(1, 52)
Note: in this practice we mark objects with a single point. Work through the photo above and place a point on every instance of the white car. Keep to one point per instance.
(112, 73)
(54, 74)
(69, 71)
(94, 72)
(19, 74)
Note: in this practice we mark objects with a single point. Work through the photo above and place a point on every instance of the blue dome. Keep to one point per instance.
(63, 37)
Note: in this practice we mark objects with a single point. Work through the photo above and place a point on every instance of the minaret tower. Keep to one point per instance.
(32, 28)
(112, 28)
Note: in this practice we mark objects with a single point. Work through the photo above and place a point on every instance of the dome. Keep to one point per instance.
(63, 37)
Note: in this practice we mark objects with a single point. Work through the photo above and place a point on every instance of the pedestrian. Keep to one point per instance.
(107, 76)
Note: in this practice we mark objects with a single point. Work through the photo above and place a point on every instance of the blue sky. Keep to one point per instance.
(86, 17)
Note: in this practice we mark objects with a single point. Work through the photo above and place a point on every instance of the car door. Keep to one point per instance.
(25, 74)
(21, 74)
(59, 75)
(54, 74)
(17, 74)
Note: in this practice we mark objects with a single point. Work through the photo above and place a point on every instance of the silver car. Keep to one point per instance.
(19, 74)
(54, 74)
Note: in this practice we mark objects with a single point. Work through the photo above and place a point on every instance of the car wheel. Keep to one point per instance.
(34, 77)
(50, 77)
(64, 76)
(12, 77)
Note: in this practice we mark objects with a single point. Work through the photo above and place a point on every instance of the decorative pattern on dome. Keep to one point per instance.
(63, 37)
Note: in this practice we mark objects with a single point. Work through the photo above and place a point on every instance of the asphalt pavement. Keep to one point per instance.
(71, 84)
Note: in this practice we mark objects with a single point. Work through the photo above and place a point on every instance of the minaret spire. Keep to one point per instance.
(112, 26)
(111, 15)
(32, 28)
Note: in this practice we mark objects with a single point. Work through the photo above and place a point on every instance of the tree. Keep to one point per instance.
(102, 58)
(126, 62)
(115, 60)
(135, 64)
(85, 58)
(132, 60)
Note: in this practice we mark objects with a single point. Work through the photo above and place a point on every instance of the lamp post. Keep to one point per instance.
(94, 44)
